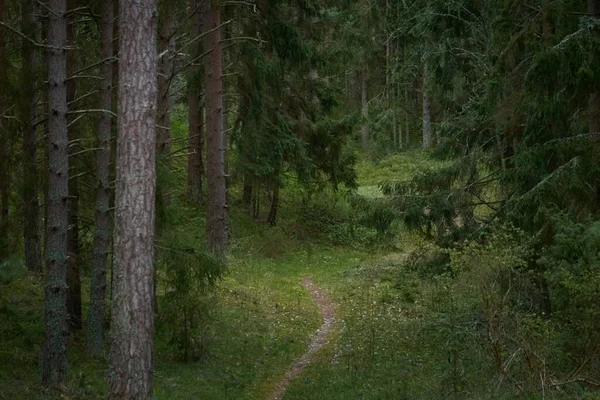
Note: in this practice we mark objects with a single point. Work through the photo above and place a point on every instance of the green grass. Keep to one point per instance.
(398, 335)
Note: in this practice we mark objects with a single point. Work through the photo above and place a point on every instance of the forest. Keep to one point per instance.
(299, 199)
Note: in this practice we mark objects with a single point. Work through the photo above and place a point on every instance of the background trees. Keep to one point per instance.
(263, 103)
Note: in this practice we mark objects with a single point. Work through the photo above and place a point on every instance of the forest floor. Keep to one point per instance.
(386, 337)
(319, 338)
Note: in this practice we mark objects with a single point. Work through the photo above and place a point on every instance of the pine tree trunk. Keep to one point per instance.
(54, 364)
(195, 168)
(272, 219)
(407, 122)
(364, 101)
(166, 46)
(247, 191)
(594, 101)
(426, 108)
(29, 117)
(73, 278)
(3, 144)
(216, 213)
(132, 319)
(95, 326)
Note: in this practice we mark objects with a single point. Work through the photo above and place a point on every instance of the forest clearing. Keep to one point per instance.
(302, 199)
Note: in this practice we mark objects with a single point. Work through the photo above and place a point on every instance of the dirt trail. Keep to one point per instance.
(318, 340)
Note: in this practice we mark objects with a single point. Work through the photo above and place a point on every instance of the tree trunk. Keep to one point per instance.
(195, 168)
(166, 46)
(95, 326)
(426, 108)
(272, 219)
(407, 122)
(29, 117)
(54, 364)
(132, 320)
(594, 102)
(3, 144)
(364, 129)
(247, 191)
(73, 278)
(216, 213)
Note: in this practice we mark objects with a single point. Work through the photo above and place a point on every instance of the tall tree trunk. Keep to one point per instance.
(406, 120)
(195, 169)
(166, 47)
(216, 213)
(73, 278)
(54, 364)
(272, 219)
(29, 117)
(3, 143)
(594, 101)
(247, 191)
(132, 321)
(364, 101)
(95, 326)
(426, 108)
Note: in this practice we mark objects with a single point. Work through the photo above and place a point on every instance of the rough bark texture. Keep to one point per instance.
(132, 322)
(95, 326)
(73, 278)
(54, 364)
(594, 102)
(195, 168)
(426, 109)
(29, 117)
(216, 213)
(364, 101)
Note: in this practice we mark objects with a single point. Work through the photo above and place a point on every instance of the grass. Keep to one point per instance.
(264, 318)
(395, 168)
(398, 335)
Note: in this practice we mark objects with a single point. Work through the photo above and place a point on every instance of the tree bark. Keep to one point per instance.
(594, 101)
(406, 121)
(95, 326)
(166, 47)
(54, 364)
(426, 108)
(272, 219)
(132, 321)
(216, 213)
(3, 145)
(247, 191)
(364, 101)
(195, 168)
(29, 117)
(73, 278)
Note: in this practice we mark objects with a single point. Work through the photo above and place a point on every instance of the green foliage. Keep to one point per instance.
(187, 305)
(11, 270)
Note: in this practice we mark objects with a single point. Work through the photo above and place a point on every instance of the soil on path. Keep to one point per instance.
(318, 339)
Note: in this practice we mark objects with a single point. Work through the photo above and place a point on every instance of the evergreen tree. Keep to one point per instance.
(132, 317)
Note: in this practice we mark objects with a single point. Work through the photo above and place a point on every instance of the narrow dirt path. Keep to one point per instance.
(318, 340)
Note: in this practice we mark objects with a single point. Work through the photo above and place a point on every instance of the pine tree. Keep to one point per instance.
(216, 213)
(54, 364)
(29, 115)
(132, 319)
(96, 317)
